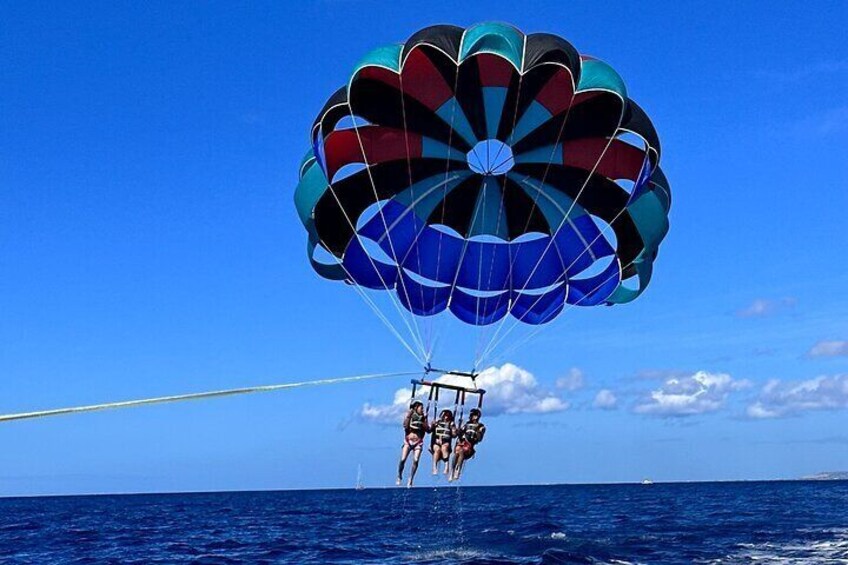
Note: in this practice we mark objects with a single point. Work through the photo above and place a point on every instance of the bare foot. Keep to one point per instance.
(409, 484)
(398, 481)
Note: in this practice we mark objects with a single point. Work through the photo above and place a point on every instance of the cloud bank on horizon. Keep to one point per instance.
(513, 390)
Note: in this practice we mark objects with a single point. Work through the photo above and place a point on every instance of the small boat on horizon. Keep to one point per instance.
(647, 482)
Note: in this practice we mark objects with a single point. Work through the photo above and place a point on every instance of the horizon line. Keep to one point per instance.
(808, 478)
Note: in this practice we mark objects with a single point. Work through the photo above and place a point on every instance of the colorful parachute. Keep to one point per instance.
(485, 172)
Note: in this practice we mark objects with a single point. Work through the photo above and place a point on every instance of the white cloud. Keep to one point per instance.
(509, 390)
(389, 412)
(778, 398)
(761, 307)
(686, 396)
(605, 400)
(572, 381)
(829, 349)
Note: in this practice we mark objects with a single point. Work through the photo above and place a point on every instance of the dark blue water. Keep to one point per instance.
(778, 522)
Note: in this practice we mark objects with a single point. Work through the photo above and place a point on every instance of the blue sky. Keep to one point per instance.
(149, 246)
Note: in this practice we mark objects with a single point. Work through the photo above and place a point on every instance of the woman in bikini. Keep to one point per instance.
(415, 428)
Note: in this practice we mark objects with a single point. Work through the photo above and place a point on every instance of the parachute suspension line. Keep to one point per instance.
(352, 225)
(425, 342)
(570, 306)
(480, 357)
(461, 394)
(465, 242)
(416, 355)
(195, 396)
(550, 162)
(454, 105)
(429, 326)
(415, 333)
(523, 341)
(493, 343)
(429, 401)
(514, 112)
(431, 337)
(486, 329)
(382, 317)
(410, 209)
(484, 192)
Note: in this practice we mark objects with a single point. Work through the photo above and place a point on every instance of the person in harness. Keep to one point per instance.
(470, 435)
(415, 428)
(443, 432)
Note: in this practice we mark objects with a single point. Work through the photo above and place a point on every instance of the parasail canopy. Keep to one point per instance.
(487, 173)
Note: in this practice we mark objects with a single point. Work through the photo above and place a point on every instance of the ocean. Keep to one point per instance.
(746, 522)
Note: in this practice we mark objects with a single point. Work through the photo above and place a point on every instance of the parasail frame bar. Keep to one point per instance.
(421, 382)
(471, 375)
(460, 390)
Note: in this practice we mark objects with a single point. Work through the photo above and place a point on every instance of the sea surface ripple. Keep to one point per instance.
(710, 523)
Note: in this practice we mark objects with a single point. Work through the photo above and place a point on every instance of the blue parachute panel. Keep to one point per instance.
(394, 228)
(536, 264)
(595, 290)
(485, 266)
(476, 310)
(420, 299)
(435, 256)
(367, 271)
(539, 309)
(580, 243)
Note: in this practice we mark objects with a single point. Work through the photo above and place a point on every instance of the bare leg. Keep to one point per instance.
(446, 457)
(452, 475)
(416, 456)
(404, 453)
(457, 464)
(437, 453)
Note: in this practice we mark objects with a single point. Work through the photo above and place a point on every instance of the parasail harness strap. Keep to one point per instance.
(461, 392)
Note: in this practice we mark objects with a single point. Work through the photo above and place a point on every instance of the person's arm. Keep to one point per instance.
(482, 434)
(406, 420)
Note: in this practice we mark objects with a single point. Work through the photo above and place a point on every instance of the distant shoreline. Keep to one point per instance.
(829, 477)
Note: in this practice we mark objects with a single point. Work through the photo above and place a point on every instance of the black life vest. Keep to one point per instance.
(442, 432)
(416, 423)
(471, 431)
